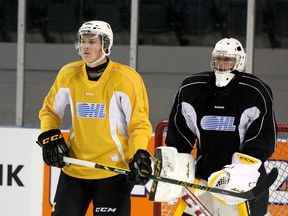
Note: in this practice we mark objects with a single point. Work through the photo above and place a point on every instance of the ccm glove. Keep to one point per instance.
(140, 167)
(239, 176)
(53, 147)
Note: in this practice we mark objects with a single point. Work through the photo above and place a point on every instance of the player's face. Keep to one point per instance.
(90, 48)
(223, 63)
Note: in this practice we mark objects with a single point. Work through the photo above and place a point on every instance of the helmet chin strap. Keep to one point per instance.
(95, 63)
(223, 78)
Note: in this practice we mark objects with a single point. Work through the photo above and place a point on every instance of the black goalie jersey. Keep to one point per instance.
(236, 118)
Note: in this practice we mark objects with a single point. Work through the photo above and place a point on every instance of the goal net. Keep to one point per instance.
(278, 200)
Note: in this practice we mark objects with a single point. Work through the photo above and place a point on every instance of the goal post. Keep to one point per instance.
(278, 199)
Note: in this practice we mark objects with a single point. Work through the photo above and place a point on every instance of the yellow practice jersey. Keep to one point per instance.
(109, 116)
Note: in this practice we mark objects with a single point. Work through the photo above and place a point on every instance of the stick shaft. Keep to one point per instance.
(251, 194)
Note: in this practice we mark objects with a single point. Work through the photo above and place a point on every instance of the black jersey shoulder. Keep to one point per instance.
(254, 81)
(198, 77)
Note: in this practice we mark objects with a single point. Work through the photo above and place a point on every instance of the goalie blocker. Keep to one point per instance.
(170, 163)
(174, 165)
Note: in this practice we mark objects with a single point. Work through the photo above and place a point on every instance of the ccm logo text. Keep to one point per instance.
(105, 209)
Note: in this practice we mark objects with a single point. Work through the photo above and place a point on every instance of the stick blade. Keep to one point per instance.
(262, 186)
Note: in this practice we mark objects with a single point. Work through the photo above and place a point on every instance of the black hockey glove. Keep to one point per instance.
(53, 147)
(140, 167)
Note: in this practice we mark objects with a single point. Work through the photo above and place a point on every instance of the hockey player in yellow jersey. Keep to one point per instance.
(110, 125)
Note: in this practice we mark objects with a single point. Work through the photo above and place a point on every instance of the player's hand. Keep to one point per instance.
(53, 147)
(140, 167)
(240, 176)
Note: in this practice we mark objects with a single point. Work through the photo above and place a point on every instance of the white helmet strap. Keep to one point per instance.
(95, 63)
(223, 78)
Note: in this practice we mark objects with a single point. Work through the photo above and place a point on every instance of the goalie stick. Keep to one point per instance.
(249, 195)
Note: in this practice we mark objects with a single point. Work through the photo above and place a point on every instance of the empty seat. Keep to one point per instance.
(234, 15)
(280, 15)
(155, 16)
(61, 15)
(237, 16)
(115, 12)
(9, 14)
(195, 16)
(9, 17)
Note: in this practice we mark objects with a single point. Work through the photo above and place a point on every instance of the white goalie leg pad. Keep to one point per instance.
(179, 166)
(211, 203)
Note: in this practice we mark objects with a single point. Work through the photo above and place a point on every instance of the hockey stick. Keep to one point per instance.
(249, 195)
(189, 198)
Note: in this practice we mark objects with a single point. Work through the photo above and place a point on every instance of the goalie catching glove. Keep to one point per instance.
(140, 167)
(53, 147)
(241, 175)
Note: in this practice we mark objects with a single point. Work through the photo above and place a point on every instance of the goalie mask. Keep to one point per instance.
(228, 55)
(99, 29)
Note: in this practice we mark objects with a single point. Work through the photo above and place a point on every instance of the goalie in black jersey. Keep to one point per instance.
(228, 115)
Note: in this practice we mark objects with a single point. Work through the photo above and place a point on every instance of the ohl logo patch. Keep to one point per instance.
(90, 110)
(218, 123)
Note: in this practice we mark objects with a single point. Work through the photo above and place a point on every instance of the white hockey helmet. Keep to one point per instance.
(98, 28)
(231, 48)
